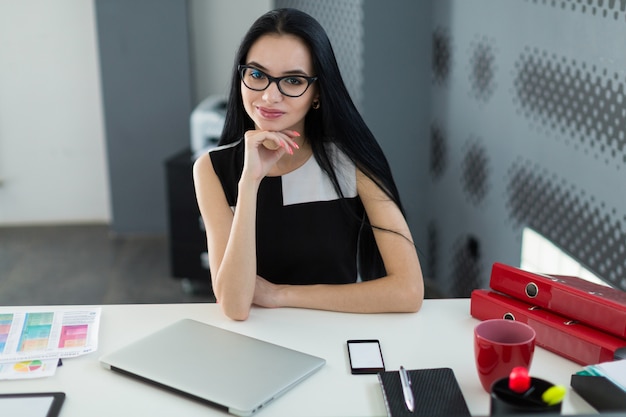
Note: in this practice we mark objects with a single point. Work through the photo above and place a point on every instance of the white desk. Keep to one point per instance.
(440, 335)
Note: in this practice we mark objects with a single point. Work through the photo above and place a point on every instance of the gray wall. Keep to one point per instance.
(397, 97)
(146, 87)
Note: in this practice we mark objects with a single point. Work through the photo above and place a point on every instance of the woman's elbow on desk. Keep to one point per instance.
(415, 304)
(411, 303)
(234, 312)
(234, 308)
(411, 298)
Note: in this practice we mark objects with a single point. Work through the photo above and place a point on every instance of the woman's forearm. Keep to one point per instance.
(236, 278)
(383, 295)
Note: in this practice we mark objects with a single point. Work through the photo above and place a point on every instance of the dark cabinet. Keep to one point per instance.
(187, 239)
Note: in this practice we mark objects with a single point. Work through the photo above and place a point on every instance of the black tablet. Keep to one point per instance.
(39, 404)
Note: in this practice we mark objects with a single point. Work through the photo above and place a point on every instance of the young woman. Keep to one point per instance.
(298, 200)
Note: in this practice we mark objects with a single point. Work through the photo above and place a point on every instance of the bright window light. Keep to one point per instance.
(540, 255)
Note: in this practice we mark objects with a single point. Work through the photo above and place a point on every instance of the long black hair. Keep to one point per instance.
(337, 120)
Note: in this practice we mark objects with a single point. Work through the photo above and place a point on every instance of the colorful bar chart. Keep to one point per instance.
(73, 336)
(5, 326)
(36, 332)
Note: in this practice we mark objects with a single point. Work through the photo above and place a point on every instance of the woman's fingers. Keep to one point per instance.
(283, 139)
(270, 144)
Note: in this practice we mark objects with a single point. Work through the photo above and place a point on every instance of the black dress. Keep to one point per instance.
(306, 232)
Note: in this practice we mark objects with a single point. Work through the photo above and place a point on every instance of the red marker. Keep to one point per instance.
(519, 380)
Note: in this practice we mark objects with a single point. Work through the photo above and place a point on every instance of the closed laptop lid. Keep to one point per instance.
(225, 369)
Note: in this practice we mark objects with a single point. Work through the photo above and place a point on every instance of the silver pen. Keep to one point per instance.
(406, 389)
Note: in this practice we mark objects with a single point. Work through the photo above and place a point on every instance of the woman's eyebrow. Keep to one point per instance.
(290, 72)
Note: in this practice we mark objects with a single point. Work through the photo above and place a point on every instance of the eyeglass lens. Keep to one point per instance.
(292, 85)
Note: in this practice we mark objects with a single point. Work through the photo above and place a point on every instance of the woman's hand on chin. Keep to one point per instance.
(264, 149)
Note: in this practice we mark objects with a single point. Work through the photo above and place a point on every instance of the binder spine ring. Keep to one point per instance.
(531, 290)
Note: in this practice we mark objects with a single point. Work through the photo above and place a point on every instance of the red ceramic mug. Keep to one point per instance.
(499, 346)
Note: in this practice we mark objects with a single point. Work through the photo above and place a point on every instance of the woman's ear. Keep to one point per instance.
(315, 101)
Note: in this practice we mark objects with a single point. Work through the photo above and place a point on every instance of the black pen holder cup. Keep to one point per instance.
(505, 402)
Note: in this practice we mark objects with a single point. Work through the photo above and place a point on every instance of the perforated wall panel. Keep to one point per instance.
(529, 111)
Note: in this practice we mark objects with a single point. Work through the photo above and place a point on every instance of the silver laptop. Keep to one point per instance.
(228, 370)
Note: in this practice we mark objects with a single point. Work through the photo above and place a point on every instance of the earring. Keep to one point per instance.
(316, 104)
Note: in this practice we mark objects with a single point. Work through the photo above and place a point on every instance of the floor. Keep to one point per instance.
(62, 265)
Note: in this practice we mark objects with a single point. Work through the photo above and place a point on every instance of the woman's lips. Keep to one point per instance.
(269, 113)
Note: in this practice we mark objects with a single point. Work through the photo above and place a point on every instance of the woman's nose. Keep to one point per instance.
(272, 93)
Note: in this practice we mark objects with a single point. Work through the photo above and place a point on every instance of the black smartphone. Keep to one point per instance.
(365, 356)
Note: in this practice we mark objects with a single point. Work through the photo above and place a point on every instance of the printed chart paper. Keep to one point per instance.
(33, 339)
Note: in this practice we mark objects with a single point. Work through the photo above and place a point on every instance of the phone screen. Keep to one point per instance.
(365, 356)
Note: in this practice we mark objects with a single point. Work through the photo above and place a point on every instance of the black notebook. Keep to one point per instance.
(436, 392)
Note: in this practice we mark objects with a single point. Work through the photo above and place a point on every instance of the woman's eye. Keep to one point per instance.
(294, 80)
(257, 75)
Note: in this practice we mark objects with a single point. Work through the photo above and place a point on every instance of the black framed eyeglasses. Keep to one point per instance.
(289, 85)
